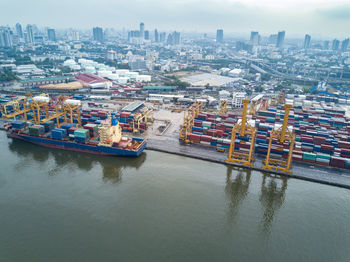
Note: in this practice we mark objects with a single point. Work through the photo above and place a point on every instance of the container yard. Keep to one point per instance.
(290, 136)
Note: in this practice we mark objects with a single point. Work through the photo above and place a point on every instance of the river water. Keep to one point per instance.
(63, 206)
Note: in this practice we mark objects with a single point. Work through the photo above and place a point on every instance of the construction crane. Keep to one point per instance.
(189, 116)
(243, 128)
(282, 135)
(222, 107)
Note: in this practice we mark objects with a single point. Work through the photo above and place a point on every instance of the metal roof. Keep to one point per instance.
(46, 79)
(133, 106)
(159, 87)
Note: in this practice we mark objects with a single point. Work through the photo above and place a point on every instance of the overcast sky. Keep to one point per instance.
(321, 18)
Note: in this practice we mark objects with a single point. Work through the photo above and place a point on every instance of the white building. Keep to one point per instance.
(237, 99)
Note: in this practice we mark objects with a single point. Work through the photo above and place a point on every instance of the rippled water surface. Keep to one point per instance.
(63, 206)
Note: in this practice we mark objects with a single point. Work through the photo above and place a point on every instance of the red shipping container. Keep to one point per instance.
(343, 144)
(205, 138)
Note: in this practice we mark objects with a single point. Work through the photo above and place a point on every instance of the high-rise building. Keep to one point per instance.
(176, 38)
(307, 41)
(98, 34)
(254, 38)
(280, 39)
(156, 36)
(19, 30)
(5, 37)
(345, 45)
(335, 45)
(162, 37)
(30, 35)
(51, 35)
(170, 40)
(146, 35)
(142, 30)
(219, 36)
(326, 45)
(75, 36)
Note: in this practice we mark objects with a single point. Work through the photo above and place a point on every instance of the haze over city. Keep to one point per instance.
(321, 18)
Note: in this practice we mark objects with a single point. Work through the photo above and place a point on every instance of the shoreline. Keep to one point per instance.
(333, 178)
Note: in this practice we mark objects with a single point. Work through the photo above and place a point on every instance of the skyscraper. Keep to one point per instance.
(344, 45)
(30, 35)
(254, 38)
(5, 37)
(146, 35)
(219, 36)
(75, 36)
(176, 38)
(142, 30)
(280, 39)
(98, 34)
(335, 45)
(156, 36)
(307, 41)
(162, 37)
(51, 35)
(19, 30)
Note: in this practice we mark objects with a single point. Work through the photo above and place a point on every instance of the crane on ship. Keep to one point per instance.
(282, 135)
(243, 128)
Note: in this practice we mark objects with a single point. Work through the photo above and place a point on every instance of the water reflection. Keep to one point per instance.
(236, 189)
(112, 167)
(273, 190)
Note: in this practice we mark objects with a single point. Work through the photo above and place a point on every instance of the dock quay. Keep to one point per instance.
(323, 175)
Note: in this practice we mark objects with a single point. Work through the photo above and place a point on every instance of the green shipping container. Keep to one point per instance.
(324, 156)
(82, 133)
(309, 156)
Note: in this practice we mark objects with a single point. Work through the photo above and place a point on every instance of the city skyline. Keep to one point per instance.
(318, 18)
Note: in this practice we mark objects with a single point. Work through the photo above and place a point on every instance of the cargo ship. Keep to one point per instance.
(103, 139)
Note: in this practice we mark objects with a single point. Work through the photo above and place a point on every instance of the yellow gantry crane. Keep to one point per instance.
(264, 104)
(222, 107)
(282, 135)
(281, 98)
(146, 116)
(244, 129)
(189, 116)
(21, 105)
(253, 107)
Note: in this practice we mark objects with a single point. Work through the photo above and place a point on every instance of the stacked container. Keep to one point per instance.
(36, 130)
(81, 135)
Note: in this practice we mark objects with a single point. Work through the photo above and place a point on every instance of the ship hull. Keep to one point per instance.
(73, 146)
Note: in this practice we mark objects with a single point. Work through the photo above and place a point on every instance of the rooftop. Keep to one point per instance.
(133, 106)
(159, 88)
(46, 79)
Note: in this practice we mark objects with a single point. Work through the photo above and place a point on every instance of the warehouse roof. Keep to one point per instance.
(159, 88)
(46, 79)
(132, 107)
